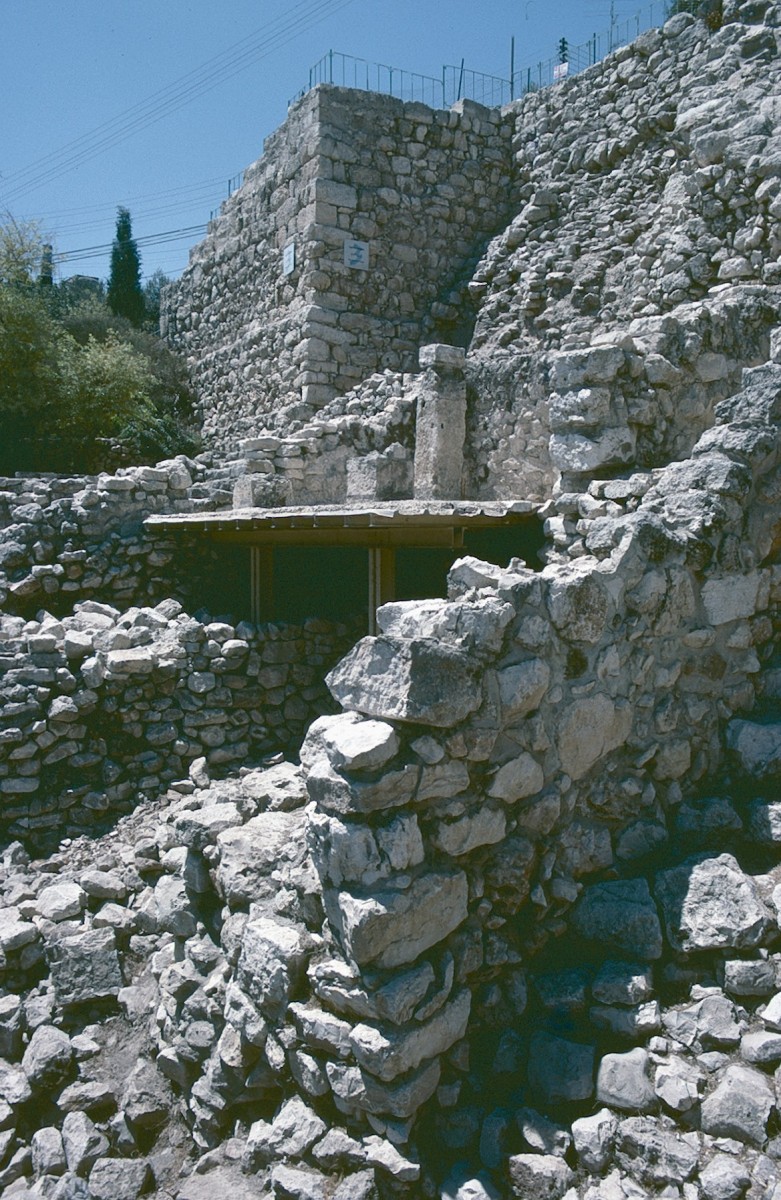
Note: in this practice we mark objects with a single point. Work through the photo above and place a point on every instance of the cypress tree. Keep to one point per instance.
(125, 297)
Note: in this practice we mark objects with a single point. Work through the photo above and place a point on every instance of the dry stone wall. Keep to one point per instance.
(422, 189)
(646, 235)
(102, 708)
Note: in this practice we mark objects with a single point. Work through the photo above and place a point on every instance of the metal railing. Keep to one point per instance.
(461, 83)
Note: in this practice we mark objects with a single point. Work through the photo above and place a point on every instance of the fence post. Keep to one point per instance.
(330, 66)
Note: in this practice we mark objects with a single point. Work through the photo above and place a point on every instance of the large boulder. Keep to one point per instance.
(711, 904)
(620, 915)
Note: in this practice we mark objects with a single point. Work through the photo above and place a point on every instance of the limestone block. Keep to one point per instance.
(484, 827)
(253, 857)
(588, 408)
(272, 960)
(359, 745)
(354, 1089)
(522, 687)
(387, 1053)
(623, 1081)
(574, 453)
(333, 793)
(711, 904)
(757, 747)
(85, 966)
(475, 625)
(740, 1106)
(653, 1155)
(620, 915)
(521, 777)
(544, 1176)
(731, 599)
(392, 928)
(593, 1138)
(578, 603)
(589, 729)
(419, 681)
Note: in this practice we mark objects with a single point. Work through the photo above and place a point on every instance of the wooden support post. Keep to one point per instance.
(382, 581)
(261, 584)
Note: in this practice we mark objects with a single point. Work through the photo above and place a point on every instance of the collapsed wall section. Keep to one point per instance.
(382, 205)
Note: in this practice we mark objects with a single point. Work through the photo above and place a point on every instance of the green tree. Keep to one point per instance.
(125, 297)
(152, 289)
(21, 249)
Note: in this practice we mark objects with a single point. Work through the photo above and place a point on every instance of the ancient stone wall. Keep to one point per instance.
(648, 189)
(103, 708)
(422, 190)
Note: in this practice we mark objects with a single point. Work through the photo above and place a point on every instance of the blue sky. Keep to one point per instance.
(75, 76)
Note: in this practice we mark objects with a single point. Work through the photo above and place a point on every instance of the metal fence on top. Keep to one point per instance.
(462, 83)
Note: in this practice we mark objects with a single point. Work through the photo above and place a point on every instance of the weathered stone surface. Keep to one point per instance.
(254, 856)
(559, 1070)
(653, 1155)
(756, 747)
(589, 730)
(84, 1144)
(335, 793)
(85, 966)
(521, 777)
(522, 687)
(391, 928)
(294, 1129)
(354, 1089)
(540, 1175)
(711, 904)
(623, 1081)
(119, 1179)
(419, 681)
(593, 1138)
(388, 1053)
(273, 958)
(620, 916)
(359, 745)
(740, 1106)
(48, 1056)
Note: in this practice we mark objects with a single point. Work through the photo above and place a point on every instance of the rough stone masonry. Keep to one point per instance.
(509, 926)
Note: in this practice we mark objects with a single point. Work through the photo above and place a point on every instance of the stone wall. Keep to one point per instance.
(501, 823)
(647, 190)
(102, 708)
(424, 189)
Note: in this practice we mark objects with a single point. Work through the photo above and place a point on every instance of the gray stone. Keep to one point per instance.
(539, 1176)
(146, 1098)
(294, 1129)
(272, 960)
(653, 1155)
(119, 1179)
(60, 901)
(359, 745)
(757, 748)
(420, 681)
(391, 928)
(679, 1084)
(588, 730)
(48, 1056)
(754, 977)
(388, 1053)
(593, 1138)
(761, 1047)
(254, 856)
(623, 1081)
(618, 982)
(85, 966)
(83, 1143)
(711, 904)
(48, 1152)
(740, 1106)
(560, 1071)
(621, 916)
(724, 1178)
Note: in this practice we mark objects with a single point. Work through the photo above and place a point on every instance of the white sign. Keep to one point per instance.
(289, 259)
(356, 255)
(560, 71)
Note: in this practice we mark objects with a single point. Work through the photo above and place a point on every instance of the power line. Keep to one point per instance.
(195, 83)
(150, 239)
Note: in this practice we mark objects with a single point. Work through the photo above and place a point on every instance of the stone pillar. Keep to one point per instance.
(440, 427)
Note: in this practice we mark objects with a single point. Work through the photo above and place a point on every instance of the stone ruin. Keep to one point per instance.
(484, 904)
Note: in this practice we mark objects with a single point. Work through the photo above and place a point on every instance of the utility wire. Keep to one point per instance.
(150, 239)
(173, 97)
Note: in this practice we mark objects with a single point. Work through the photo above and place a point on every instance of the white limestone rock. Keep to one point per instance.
(391, 928)
(756, 747)
(421, 681)
(255, 857)
(740, 1106)
(272, 960)
(60, 901)
(388, 1053)
(711, 904)
(679, 1084)
(593, 1138)
(623, 1081)
(294, 1129)
(654, 1155)
(543, 1176)
(590, 728)
(85, 966)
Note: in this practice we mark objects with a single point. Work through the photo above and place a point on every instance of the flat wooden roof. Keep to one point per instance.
(399, 523)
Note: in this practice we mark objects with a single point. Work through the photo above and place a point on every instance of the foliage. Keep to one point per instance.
(81, 388)
(125, 297)
(709, 11)
(21, 250)
(152, 289)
